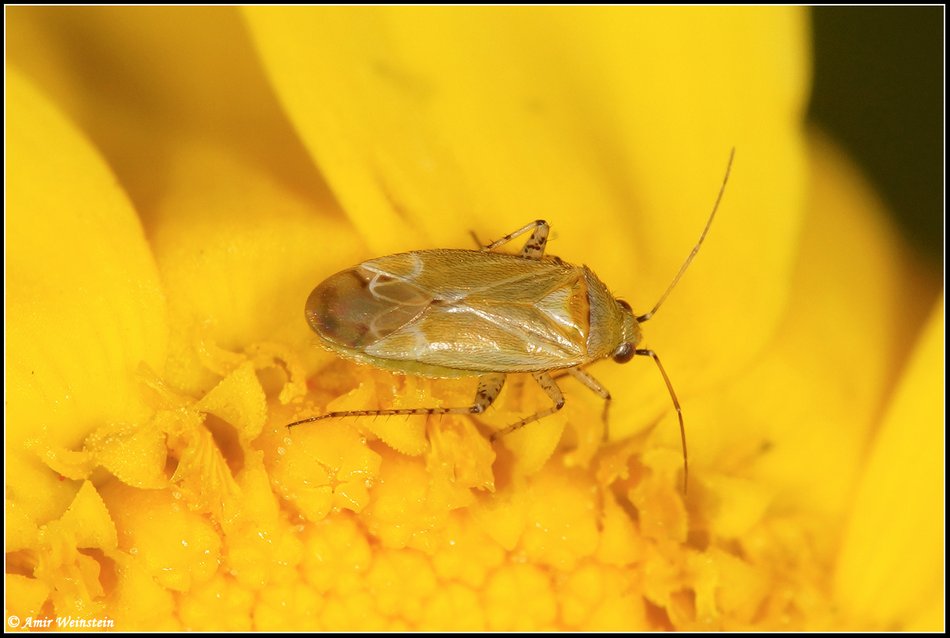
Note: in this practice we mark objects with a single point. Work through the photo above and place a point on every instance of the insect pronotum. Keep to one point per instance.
(449, 313)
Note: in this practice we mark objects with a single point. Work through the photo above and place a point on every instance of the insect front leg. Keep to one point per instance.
(534, 247)
(595, 386)
(478, 242)
(489, 386)
(644, 352)
(554, 392)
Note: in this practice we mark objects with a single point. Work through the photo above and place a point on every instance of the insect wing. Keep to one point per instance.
(357, 307)
(490, 313)
(471, 310)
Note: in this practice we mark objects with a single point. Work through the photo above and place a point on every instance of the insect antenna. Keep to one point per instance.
(722, 189)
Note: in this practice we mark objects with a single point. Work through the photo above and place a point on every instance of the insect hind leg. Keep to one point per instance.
(489, 386)
(534, 247)
(553, 391)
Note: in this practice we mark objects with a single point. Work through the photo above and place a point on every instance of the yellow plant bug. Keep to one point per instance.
(448, 313)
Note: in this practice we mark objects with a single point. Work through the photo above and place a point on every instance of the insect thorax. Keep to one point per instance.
(609, 323)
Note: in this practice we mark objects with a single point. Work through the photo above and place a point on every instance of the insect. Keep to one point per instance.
(449, 313)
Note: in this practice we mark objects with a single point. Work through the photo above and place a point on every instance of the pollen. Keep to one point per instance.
(342, 526)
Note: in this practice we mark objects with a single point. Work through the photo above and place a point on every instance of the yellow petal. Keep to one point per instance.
(139, 601)
(178, 548)
(220, 604)
(777, 452)
(320, 469)
(84, 304)
(239, 400)
(21, 531)
(241, 225)
(239, 255)
(135, 455)
(261, 547)
(891, 569)
(89, 521)
(24, 598)
(561, 524)
(140, 81)
(520, 597)
(798, 422)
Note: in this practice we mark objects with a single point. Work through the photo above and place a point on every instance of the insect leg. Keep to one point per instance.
(534, 247)
(594, 385)
(676, 404)
(489, 386)
(565, 372)
(554, 392)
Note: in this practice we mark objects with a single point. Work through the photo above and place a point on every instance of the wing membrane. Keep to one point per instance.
(477, 311)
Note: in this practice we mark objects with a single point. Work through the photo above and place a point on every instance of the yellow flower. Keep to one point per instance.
(180, 179)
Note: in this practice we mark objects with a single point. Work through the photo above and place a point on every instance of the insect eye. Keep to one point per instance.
(624, 353)
(625, 305)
